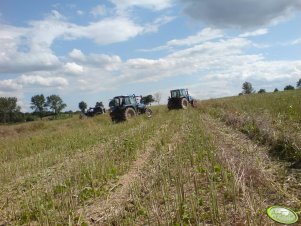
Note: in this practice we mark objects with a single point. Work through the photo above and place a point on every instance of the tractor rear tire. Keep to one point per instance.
(169, 105)
(194, 103)
(129, 113)
(148, 112)
(184, 103)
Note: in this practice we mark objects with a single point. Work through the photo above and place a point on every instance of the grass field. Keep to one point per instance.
(223, 163)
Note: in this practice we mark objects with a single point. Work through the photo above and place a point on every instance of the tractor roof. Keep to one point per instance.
(177, 89)
(122, 96)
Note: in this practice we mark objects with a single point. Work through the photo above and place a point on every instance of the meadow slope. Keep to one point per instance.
(223, 163)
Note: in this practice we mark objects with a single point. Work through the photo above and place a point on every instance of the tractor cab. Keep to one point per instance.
(180, 98)
(177, 93)
(123, 101)
(124, 107)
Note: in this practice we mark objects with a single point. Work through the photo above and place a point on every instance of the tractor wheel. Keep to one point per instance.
(169, 105)
(148, 112)
(194, 103)
(129, 113)
(184, 103)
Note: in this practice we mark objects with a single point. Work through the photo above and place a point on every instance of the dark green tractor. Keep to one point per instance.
(123, 108)
(180, 99)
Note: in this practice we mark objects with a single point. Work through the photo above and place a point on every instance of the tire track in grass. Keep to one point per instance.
(259, 178)
(169, 183)
(101, 210)
(104, 210)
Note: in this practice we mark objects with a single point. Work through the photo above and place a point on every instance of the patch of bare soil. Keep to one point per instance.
(263, 181)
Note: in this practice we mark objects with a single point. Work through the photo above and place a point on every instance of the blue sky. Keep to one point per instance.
(95, 50)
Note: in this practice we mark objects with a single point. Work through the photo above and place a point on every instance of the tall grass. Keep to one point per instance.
(271, 118)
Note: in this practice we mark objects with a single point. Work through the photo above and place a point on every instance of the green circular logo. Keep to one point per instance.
(282, 215)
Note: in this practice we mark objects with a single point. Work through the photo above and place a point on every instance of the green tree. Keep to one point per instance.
(147, 99)
(99, 104)
(262, 91)
(55, 103)
(289, 87)
(299, 84)
(82, 106)
(38, 104)
(9, 110)
(276, 90)
(247, 88)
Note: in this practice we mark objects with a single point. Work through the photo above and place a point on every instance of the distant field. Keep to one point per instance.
(223, 163)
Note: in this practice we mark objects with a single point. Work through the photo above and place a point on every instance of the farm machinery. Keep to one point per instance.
(123, 108)
(91, 112)
(180, 99)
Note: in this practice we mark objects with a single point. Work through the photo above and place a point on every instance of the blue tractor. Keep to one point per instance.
(123, 108)
(180, 99)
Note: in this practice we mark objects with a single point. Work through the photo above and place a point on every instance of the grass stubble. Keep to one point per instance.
(193, 168)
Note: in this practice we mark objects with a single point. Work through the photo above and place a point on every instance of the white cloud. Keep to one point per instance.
(151, 4)
(204, 35)
(77, 54)
(109, 30)
(258, 32)
(80, 12)
(104, 61)
(9, 85)
(29, 49)
(99, 10)
(73, 68)
(296, 42)
(154, 26)
(42, 81)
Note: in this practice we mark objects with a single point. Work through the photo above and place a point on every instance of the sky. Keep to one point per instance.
(94, 50)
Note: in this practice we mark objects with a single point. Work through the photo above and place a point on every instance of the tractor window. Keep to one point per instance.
(132, 100)
(175, 93)
(116, 102)
(127, 101)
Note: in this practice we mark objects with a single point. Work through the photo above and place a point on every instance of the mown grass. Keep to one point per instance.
(271, 118)
(187, 184)
(51, 170)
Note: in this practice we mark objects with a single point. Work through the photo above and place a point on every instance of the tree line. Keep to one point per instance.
(11, 112)
(247, 88)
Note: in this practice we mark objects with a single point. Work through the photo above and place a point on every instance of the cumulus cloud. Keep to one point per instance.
(107, 62)
(241, 14)
(42, 81)
(9, 85)
(73, 68)
(28, 49)
(77, 54)
(109, 30)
